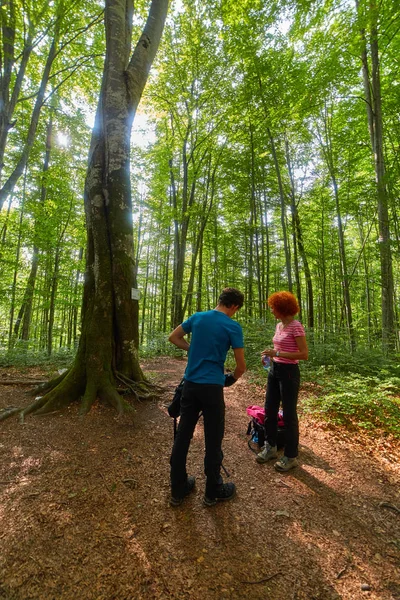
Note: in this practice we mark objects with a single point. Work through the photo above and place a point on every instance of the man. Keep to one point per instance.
(212, 334)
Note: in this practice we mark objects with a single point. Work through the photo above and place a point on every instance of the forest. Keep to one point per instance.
(264, 155)
(151, 154)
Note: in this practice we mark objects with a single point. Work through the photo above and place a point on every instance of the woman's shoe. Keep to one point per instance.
(285, 464)
(267, 453)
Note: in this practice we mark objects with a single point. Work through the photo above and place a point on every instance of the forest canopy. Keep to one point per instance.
(265, 155)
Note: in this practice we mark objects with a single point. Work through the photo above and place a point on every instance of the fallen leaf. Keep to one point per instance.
(282, 513)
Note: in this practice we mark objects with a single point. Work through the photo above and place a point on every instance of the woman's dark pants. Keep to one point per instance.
(197, 398)
(283, 386)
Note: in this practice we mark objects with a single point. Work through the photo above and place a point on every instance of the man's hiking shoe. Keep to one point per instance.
(226, 492)
(176, 500)
(267, 453)
(285, 464)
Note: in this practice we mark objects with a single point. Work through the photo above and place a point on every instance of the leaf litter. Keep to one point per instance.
(84, 509)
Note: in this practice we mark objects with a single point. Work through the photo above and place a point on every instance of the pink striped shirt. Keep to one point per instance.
(284, 340)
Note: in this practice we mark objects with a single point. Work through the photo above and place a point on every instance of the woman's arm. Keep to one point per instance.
(302, 354)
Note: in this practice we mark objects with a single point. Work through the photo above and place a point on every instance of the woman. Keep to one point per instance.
(283, 384)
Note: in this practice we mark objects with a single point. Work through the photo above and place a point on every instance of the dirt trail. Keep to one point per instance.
(84, 511)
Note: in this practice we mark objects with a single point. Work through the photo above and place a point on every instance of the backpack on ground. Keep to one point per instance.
(256, 428)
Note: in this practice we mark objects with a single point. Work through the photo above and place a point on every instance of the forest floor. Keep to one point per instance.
(84, 511)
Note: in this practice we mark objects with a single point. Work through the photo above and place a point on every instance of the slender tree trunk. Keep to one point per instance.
(252, 224)
(164, 311)
(293, 210)
(326, 147)
(283, 211)
(75, 306)
(373, 100)
(323, 275)
(368, 305)
(10, 183)
(200, 281)
(298, 240)
(145, 293)
(266, 245)
(26, 308)
(53, 295)
(25, 312)
(16, 268)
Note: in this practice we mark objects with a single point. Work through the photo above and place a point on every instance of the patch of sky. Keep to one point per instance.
(62, 139)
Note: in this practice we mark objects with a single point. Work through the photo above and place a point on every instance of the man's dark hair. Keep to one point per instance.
(231, 297)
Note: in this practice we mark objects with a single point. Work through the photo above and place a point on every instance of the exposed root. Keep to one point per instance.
(20, 382)
(68, 390)
(142, 390)
(109, 394)
(33, 407)
(9, 412)
(47, 386)
(76, 383)
(89, 398)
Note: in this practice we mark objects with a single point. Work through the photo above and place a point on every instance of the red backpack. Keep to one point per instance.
(256, 427)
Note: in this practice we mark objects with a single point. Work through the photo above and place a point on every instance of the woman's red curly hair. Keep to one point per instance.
(284, 303)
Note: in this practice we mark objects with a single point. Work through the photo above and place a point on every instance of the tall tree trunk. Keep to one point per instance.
(324, 291)
(16, 268)
(164, 311)
(199, 297)
(252, 225)
(298, 240)
(53, 295)
(107, 350)
(145, 293)
(266, 246)
(326, 148)
(10, 183)
(293, 210)
(25, 312)
(74, 303)
(283, 211)
(373, 101)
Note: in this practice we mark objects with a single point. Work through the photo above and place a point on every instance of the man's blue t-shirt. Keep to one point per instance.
(213, 333)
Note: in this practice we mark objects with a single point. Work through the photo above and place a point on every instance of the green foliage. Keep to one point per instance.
(357, 400)
(21, 357)
(361, 390)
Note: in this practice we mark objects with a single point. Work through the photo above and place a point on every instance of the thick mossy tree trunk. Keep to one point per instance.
(107, 354)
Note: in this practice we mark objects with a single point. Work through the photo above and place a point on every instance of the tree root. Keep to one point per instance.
(141, 390)
(9, 412)
(20, 382)
(389, 505)
(89, 397)
(77, 384)
(47, 386)
(110, 395)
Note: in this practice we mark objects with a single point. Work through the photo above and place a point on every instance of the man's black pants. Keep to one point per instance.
(208, 399)
(283, 386)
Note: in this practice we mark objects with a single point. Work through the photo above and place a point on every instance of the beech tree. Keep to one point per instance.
(107, 352)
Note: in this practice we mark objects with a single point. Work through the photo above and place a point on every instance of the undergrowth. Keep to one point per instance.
(360, 388)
